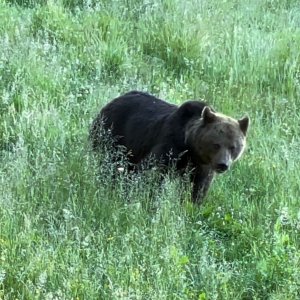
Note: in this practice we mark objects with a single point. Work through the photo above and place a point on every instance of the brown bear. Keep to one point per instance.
(192, 137)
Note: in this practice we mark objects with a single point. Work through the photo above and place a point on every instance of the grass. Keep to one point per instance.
(68, 231)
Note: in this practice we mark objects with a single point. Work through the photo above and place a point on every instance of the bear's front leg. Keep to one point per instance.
(201, 179)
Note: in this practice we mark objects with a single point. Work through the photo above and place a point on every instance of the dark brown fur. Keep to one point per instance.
(192, 137)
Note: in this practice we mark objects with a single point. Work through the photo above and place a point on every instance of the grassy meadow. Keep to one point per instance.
(68, 230)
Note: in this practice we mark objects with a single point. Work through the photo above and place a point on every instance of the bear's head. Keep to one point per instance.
(216, 140)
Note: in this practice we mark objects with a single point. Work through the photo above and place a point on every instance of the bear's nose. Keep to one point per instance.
(222, 168)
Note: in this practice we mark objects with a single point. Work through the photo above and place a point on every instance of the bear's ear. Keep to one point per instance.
(244, 124)
(207, 115)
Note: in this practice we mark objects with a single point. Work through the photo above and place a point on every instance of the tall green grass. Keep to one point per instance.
(69, 229)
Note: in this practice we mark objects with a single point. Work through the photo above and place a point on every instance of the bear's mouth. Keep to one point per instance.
(221, 168)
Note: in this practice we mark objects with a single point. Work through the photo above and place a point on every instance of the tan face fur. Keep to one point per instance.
(217, 140)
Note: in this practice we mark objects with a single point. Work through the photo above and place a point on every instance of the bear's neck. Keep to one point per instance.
(193, 133)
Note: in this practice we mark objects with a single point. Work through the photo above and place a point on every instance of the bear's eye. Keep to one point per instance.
(232, 148)
(216, 146)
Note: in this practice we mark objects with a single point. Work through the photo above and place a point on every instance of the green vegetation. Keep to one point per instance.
(70, 231)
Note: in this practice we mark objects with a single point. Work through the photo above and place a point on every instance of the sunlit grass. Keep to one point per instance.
(69, 229)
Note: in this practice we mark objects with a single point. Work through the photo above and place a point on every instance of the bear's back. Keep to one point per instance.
(135, 104)
(136, 120)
